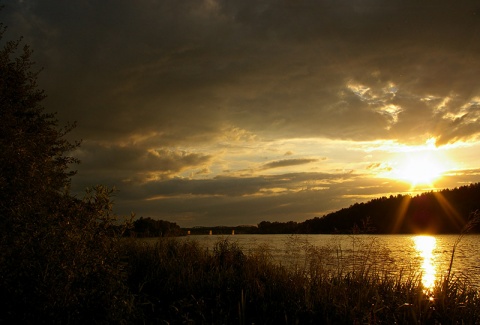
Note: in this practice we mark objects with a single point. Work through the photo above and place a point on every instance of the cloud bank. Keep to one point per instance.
(187, 106)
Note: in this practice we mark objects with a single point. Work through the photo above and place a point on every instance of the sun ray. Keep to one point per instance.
(401, 213)
(450, 210)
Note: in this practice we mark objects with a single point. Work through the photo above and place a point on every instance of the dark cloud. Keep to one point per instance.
(155, 85)
(241, 186)
(188, 68)
(227, 200)
(233, 201)
(129, 164)
(287, 163)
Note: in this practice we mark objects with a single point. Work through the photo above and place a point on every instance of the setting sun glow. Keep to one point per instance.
(421, 165)
(420, 168)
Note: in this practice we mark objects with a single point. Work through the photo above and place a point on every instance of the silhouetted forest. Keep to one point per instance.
(443, 212)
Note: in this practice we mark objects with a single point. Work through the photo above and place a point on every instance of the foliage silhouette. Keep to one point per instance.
(59, 258)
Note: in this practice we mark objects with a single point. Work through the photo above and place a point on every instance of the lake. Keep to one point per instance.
(428, 256)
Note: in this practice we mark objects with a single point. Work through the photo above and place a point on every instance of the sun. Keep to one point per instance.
(424, 166)
(419, 168)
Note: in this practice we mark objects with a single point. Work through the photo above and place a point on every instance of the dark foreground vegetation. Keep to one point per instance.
(64, 260)
(178, 282)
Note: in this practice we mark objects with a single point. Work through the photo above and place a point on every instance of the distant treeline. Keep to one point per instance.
(443, 212)
(148, 227)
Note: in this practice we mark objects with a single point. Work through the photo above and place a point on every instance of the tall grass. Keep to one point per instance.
(180, 282)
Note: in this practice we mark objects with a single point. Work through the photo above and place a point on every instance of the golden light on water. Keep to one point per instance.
(425, 246)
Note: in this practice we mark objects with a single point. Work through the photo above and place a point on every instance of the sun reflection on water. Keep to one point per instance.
(425, 246)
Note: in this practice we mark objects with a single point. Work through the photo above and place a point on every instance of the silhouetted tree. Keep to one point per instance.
(59, 259)
(34, 161)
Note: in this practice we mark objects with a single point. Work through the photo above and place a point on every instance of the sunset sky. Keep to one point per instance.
(211, 112)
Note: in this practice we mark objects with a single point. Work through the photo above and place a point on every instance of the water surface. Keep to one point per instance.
(428, 256)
